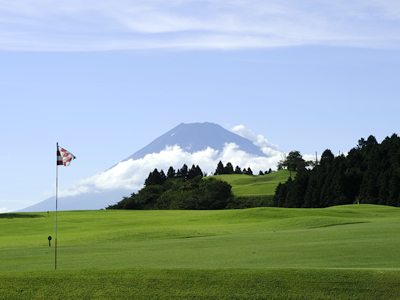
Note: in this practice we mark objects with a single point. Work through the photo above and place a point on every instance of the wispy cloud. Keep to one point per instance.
(258, 140)
(73, 25)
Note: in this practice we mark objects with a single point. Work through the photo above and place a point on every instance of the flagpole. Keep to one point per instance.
(55, 254)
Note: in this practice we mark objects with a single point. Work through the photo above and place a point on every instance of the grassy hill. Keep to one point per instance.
(344, 252)
(245, 185)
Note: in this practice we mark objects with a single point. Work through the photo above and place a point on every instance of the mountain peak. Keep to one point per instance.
(194, 137)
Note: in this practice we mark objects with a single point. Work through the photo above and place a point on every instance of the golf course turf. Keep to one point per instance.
(343, 252)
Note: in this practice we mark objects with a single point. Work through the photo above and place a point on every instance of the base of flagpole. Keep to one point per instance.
(55, 262)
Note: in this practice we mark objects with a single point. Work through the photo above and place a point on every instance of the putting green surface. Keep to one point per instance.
(252, 253)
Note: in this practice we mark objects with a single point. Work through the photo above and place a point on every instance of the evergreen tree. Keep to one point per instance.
(327, 157)
(228, 168)
(311, 197)
(248, 171)
(220, 169)
(171, 173)
(199, 172)
(155, 177)
(296, 194)
(238, 170)
(394, 189)
(195, 171)
(184, 171)
(163, 176)
(384, 181)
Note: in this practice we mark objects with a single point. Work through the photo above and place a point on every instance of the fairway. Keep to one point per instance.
(246, 185)
(252, 253)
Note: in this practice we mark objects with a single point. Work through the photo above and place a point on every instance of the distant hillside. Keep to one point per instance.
(262, 185)
(188, 190)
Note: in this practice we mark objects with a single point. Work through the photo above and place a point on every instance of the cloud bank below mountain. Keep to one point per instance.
(130, 174)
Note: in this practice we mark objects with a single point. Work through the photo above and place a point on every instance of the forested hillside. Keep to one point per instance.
(181, 189)
(186, 188)
(370, 173)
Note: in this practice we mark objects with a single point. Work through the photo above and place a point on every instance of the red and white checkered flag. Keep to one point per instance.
(64, 157)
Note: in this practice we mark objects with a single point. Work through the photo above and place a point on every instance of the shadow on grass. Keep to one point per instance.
(15, 215)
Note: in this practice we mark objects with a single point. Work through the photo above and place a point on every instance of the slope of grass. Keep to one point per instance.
(344, 252)
(201, 284)
(245, 185)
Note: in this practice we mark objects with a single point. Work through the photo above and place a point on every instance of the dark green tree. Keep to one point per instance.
(248, 171)
(184, 171)
(195, 171)
(220, 169)
(327, 157)
(238, 170)
(298, 188)
(293, 161)
(213, 194)
(394, 189)
(171, 173)
(228, 168)
(155, 177)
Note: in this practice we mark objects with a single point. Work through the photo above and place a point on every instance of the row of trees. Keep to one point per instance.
(184, 173)
(186, 189)
(370, 173)
(228, 169)
(195, 193)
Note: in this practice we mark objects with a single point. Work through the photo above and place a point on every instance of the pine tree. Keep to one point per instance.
(171, 173)
(238, 170)
(228, 168)
(220, 169)
(184, 171)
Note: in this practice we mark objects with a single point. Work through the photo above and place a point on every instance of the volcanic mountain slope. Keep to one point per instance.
(196, 137)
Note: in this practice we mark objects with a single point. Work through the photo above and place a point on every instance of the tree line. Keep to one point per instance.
(369, 173)
(186, 188)
(228, 169)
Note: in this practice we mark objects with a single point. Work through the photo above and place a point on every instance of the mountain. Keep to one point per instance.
(196, 137)
(191, 138)
(87, 201)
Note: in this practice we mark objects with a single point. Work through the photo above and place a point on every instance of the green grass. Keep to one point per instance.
(344, 252)
(201, 284)
(245, 185)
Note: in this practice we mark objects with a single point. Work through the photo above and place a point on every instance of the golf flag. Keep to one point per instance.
(64, 157)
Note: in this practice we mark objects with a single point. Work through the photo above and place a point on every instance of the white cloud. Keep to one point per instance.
(4, 210)
(131, 174)
(310, 157)
(121, 24)
(258, 140)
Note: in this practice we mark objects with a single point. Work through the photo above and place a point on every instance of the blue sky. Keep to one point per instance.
(105, 79)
